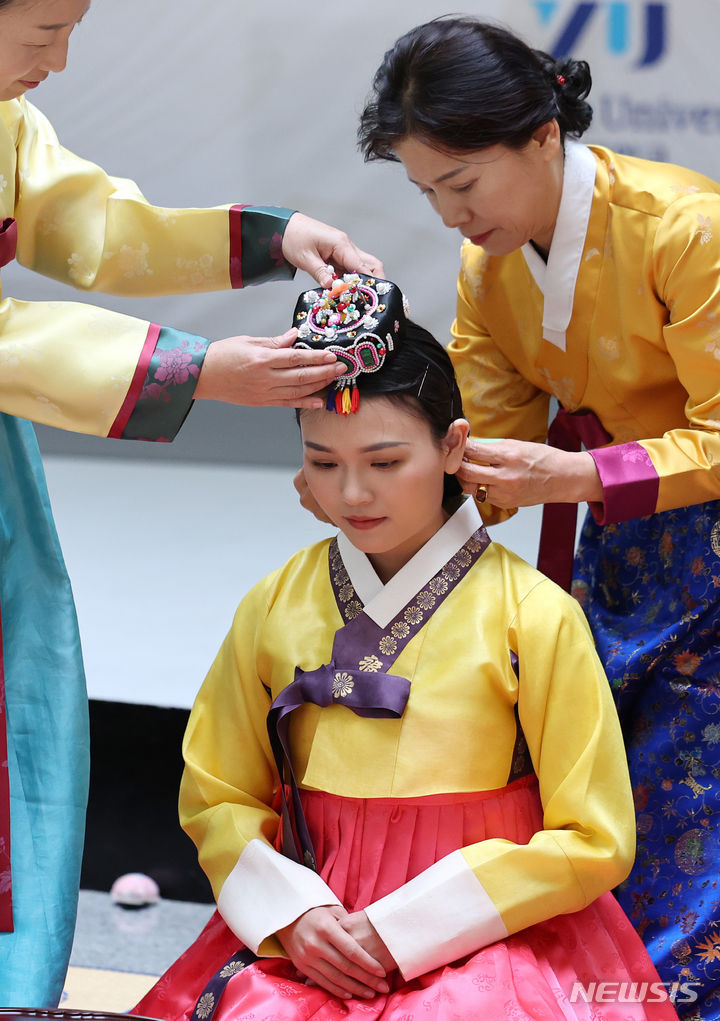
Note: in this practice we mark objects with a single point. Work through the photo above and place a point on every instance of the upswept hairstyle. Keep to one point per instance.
(420, 374)
(464, 84)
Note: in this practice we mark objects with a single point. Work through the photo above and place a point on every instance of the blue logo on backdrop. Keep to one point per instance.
(571, 22)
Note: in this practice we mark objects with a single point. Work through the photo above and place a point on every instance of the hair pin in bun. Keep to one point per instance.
(361, 320)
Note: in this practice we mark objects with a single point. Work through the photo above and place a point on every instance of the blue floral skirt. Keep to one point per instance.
(651, 591)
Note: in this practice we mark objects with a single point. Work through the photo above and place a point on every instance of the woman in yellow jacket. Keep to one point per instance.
(594, 278)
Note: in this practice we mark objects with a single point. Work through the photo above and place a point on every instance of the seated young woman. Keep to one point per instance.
(404, 772)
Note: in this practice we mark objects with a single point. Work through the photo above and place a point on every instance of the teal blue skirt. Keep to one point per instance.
(47, 729)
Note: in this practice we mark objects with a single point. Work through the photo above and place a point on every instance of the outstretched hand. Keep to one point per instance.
(517, 473)
(310, 245)
(322, 948)
(266, 371)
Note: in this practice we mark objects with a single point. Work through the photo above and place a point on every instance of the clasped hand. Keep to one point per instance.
(340, 951)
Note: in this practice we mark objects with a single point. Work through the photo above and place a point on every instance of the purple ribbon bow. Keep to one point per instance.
(373, 694)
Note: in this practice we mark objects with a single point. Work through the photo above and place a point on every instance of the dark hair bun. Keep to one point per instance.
(572, 82)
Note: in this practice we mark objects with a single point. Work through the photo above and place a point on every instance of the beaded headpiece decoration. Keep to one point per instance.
(360, 319)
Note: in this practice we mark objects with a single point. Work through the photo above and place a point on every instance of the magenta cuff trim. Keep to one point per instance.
(236, 248)
(8, 240)
(630, 483)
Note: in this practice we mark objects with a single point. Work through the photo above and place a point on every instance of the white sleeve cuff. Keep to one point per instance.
(266, 891)
(439, 916)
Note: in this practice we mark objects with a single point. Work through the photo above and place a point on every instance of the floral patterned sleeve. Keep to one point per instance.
(161, 393)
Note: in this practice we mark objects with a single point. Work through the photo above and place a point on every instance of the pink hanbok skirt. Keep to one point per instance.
(367, 848)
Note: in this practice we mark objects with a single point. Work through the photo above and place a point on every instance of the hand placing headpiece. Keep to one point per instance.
(360, 319)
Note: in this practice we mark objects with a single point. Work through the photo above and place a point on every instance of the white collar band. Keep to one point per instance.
(557, 279)
(382, 602)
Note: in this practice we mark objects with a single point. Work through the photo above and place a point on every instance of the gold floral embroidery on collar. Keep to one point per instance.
(415, 614)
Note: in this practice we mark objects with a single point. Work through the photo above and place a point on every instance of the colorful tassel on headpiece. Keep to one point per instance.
(345, 401)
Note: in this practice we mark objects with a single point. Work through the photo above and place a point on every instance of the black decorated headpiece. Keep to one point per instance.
(361, 320)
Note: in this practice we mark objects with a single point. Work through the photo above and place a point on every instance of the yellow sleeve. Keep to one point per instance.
(497, 401)
(70, 365)
(687, 254)
(230, 776)
(488, 890)
(679, 468)
(80, 225)
(570, 723)
(228, 789)
(75, 366)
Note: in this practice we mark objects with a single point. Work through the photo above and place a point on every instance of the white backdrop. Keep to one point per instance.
(250, 101)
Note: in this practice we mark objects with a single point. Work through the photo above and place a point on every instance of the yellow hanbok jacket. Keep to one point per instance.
(623, 321)
(457, 734)
(84, 368)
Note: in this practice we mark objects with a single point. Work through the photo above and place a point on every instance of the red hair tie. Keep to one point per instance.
(560, 78)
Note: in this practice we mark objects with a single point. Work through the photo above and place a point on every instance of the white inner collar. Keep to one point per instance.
(558, 277)
(383, 602)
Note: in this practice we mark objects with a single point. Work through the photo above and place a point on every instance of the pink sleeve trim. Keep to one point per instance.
(236, 277)
(8, 240)
(138, 381)
(630, 483)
